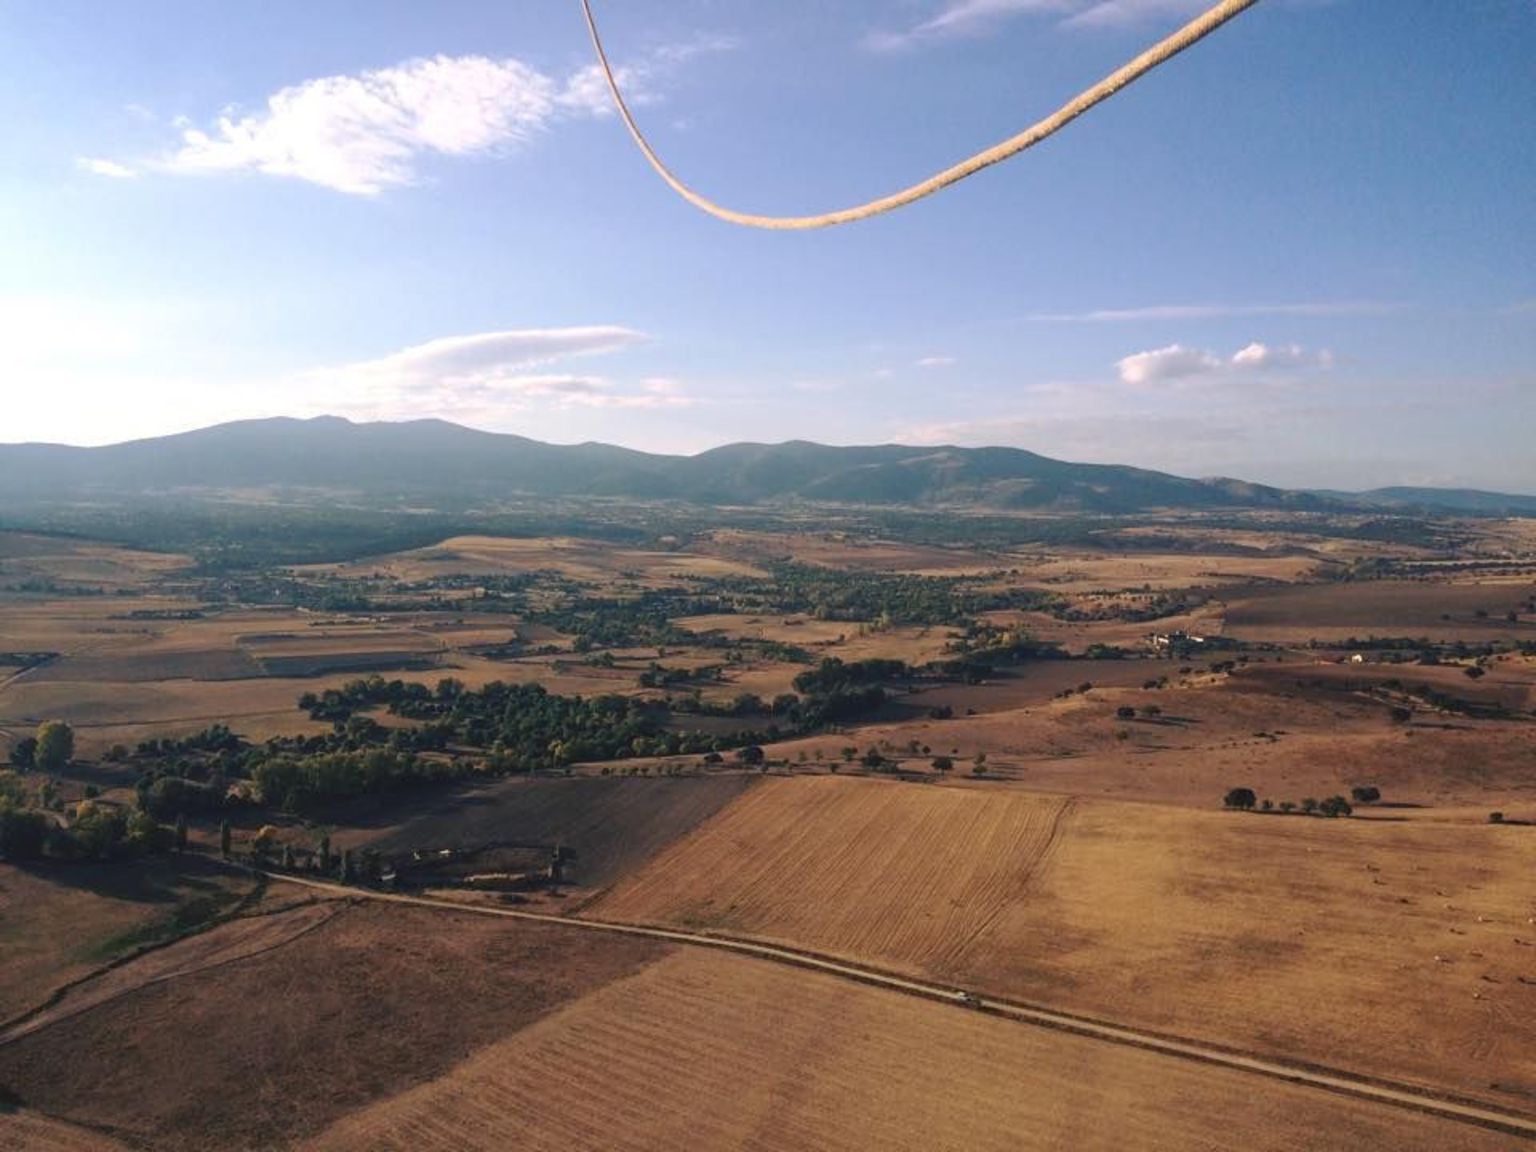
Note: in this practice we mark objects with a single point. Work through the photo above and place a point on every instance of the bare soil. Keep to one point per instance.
(259, 1052)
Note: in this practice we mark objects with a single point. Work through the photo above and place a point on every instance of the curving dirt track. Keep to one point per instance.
(240, 939)
(1378, 1091)
(704, 1050)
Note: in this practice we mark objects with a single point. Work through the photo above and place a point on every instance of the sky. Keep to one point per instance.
(1303, 253)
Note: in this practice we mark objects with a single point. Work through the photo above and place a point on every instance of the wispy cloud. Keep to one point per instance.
(108, 168)
(956, 19)
(366, 132)
(962, 18)
(1155, 312)
(1111, 13)
(489, 375)
(937, 362)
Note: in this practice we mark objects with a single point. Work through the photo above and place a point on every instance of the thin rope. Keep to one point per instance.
(1192, 33)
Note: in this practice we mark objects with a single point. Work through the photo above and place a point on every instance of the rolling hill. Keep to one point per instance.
(424, 459)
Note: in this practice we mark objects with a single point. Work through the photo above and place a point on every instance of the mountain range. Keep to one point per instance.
(434, 458)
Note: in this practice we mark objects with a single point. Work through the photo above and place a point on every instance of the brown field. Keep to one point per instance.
(1301, 938)
(60, 922)
(30, 1132)
(1086, 867)
(260, 1051)
(70, 561)
(711, 1051)
(850, 867)
(587, 560)
(240, 939)
(1440, 611)
(1287, 730)
(1085, 571)
(851, 553)
(611, 824)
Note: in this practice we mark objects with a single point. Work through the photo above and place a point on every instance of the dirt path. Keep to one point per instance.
(1386, 1092)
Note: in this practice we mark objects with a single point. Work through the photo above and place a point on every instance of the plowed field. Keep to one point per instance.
(705, 1051)
(904, 872)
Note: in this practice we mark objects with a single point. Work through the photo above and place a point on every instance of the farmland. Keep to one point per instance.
(373, 1002)
(996, 764)
(1136, 913)
(718, 1052)
(909, 876)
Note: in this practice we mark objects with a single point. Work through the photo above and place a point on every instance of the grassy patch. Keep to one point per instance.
(190, 915)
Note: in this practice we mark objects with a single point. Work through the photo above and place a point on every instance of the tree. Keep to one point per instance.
(24, 752)
(1365, 794)
(1495, 817)
(1335, 806)
(943, 764)
(1474, 672)
(224, 839)
(347, 871)
(325, 853)
(872, 758)
(1309, 805)
(181, 832)
(99, 828)
(1240, 798)
(55, 745)
(751, 754)
(22, 834)
(1125, 712)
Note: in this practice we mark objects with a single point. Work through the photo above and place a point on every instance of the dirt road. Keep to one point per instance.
(1386, 1092)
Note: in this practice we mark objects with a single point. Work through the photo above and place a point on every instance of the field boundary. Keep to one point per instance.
(239, 912)
(1381, 1091)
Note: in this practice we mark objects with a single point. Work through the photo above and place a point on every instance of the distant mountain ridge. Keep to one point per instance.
(427, 458)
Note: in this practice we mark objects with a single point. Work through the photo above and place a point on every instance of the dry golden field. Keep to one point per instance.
(587, 560)
(1075, 857)
(1389, 948)
(858, 868)
(709, 1051)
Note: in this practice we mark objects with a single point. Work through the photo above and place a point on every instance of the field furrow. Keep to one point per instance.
(709, 1051)
(853, 867)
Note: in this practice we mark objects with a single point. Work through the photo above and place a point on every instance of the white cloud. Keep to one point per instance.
(936, 362)
(485, 377)
(1174, 362)
(1112, 13)
(108, 168)
(962, 18)
(367, 132)
(483, 355)
(1155, 312)
(364, 133)
(1258, 356)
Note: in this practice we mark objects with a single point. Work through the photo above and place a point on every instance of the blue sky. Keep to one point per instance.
(1303, 253)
